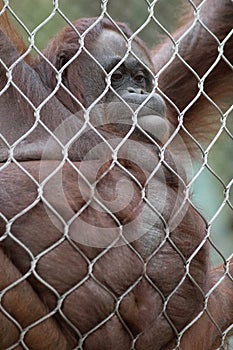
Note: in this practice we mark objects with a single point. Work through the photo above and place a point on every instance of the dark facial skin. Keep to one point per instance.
(131, 77)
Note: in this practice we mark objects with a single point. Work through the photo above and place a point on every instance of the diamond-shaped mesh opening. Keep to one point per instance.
(116, 176)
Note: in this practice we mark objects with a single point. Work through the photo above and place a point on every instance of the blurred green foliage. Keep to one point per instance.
(134, 12)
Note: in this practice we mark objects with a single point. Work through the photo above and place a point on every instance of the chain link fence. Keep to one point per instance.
(103, 242)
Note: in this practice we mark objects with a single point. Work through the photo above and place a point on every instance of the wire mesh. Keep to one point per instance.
(103, 245)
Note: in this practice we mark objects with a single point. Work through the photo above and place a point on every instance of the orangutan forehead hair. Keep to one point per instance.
(71, 37)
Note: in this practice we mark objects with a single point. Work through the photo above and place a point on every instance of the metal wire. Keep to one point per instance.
(121, 238)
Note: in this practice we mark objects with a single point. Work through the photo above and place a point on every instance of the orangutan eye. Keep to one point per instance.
(117, 75)
(140, 78)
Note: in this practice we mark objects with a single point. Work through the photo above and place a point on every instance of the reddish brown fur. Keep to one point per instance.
(12, 32)
(199, 49)
(141, 309)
